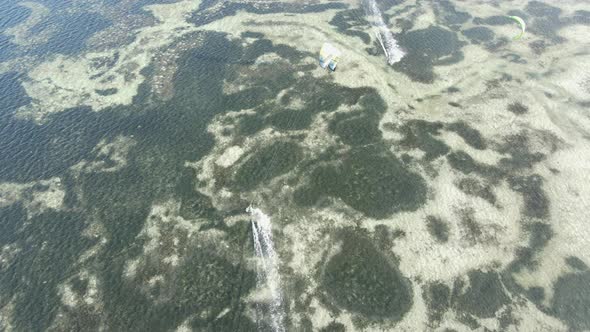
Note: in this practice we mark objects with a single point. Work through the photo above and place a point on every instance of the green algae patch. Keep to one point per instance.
(324, 180)
(484, 296)
(470, 135)
(479, 35)
(379, 185)
(536, 203)
(517, 108)
(464, 163)
(370, 180)
(356, 128)
(419, 134)
(360, 127)
(321, 97)
(291, 119)
(53, 241)
(437, 228)
(576, 263)
(518, 146)
(266, 164)
(448, 14)
(250, 124)
(351, 22)
(427, 48)
(571, 302)
(476, 188)
(333, 327)
(106, 92)
(210, 281)
(360, 279)
(438, 300)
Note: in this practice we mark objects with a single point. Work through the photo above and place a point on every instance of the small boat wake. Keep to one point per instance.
(267, 273)
(393, 52)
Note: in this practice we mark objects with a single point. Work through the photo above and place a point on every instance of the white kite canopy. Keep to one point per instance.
(329, 56)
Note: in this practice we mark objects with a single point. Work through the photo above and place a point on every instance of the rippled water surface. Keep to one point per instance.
(187, 165)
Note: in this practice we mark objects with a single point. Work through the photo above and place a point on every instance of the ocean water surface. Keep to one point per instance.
(187, 165)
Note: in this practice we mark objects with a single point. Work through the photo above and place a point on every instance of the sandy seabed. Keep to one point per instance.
(526, 100)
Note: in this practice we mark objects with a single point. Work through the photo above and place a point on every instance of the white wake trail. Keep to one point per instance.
(393, 52)
(267, 272)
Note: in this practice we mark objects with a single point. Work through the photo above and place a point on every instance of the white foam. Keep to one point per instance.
(393, 52)
(267, 268)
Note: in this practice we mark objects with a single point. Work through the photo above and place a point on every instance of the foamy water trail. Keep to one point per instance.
(267, 269)
(393, 52)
